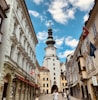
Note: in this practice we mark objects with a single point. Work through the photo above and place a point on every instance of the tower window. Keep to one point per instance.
(43, 85)
(53, 64)
(54, 68)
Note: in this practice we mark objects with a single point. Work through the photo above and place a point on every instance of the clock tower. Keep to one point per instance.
(52, 62)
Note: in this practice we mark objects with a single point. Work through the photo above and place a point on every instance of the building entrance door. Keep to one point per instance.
(5, 91)
(54, 87)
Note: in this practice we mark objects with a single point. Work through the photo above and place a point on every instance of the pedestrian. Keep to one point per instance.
(62, 94)
(65, 95)
(37, 98)
(55, 95)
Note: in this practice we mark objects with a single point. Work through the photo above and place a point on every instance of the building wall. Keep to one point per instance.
(86, 64)
(44, 80)
(52, 62)
(17, 53)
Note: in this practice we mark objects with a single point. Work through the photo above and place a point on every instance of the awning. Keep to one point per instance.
(26, 81)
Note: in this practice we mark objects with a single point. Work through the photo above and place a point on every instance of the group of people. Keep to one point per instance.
(64, 94)
(56, 95)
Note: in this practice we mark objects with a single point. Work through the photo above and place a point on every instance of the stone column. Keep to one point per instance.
(26, 92)
(17, 90)
(22, 91)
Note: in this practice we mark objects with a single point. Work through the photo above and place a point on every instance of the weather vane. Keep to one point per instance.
(49, 24)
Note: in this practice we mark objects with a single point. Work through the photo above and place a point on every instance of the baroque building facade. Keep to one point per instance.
(17, 53)
(83, 64)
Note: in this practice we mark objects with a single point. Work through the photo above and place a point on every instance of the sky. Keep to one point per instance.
(67, 19)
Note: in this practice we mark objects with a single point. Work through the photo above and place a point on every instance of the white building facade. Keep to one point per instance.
(52, 62)
(17, 54)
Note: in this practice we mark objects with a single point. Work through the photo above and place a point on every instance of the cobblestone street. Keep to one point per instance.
(50, 97)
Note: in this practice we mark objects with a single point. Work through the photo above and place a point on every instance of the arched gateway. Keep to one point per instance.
(54, 87)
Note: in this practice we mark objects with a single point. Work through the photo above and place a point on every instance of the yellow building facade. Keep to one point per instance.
(45, 86)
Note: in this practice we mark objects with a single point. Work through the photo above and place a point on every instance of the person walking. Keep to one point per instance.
(65, 96)
(36, 98)
(55, 95)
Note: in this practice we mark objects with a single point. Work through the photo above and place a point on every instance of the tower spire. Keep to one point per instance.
(50, 40)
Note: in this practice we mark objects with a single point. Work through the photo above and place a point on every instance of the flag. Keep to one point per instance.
(85, 32)
(32, 72)
(92, 49)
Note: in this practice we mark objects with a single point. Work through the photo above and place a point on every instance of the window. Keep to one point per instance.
(47, 85)
(43, 85)
(94, 29)
(18, 58)
(53, 64)
(54, 73)
(23, 62)
(54, 78)
(62, 84)
(0, 37)
(43, 79)
(80, 52)
(1, 19)
(65, 77)
(12, 51)
(54, 68)
(79, 66)
(47, 79)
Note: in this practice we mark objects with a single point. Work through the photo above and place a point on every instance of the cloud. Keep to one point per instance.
(69, 41)
(37, 1)
(65, 53)
(42, 36)
(36, 14)
(60, 12)
(83, 5)
(63, 10)
(85, 18)
(59, 42)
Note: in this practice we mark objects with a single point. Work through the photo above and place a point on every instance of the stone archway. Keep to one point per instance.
(7, 80)
(54, 87)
